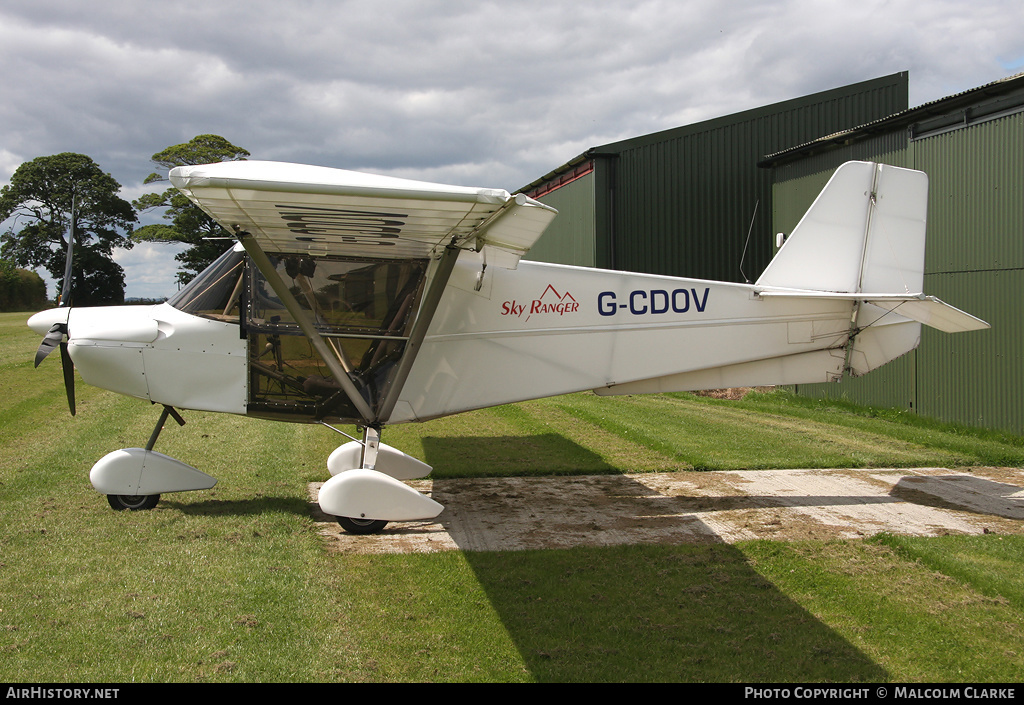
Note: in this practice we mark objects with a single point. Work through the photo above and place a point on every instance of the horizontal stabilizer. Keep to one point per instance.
(928, 310)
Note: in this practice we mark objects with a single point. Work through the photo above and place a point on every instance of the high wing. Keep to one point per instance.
(283, 212)
(313, 210)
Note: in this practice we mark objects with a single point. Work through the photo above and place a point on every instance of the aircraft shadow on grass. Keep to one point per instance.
(559, 606)
(713, 618)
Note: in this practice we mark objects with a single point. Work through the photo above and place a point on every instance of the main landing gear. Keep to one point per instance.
(366, 490)
(365, 493)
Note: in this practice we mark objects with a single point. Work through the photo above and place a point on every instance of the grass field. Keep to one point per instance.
(235, 584)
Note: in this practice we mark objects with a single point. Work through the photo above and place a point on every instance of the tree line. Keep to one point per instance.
(50, 199)
(20, 289)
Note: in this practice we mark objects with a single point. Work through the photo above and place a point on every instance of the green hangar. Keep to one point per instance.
(708, 200)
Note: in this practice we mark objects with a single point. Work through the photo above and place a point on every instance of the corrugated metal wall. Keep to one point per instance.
(570, 237)
(975, 378)
(974, 260)
(683, 200)
(975, 211)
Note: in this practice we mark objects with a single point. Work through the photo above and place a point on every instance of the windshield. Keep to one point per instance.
(214, 292)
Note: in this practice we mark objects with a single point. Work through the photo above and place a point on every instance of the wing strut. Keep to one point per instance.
(419, 329)
(326, 352)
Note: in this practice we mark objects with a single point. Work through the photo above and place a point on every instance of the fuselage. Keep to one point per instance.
(511, 335)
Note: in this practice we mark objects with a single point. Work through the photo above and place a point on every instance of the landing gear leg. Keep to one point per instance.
(366, 491)
(360, 525)
(124, 476)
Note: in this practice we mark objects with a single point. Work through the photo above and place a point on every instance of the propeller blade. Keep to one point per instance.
(69, 375)
(51, 340)
(55, 336)
(65, 294)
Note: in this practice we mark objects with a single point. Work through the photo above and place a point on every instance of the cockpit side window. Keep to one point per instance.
(341, 295)
(214, 293)
(363, 308)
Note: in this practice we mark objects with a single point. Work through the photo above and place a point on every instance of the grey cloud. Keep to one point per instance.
(481, 93)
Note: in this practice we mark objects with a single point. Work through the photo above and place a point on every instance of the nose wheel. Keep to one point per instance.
(132, 502)
(362, 526)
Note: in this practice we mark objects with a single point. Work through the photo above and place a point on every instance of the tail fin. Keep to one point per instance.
(864, 232)
(863, 240)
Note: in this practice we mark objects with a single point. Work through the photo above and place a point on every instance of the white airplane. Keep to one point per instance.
(352, 298)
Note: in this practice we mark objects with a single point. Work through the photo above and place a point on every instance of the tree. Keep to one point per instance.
(189, 224)
(20, 289)
(41, 198)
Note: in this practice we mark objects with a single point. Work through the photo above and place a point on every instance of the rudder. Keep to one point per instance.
(864, 232)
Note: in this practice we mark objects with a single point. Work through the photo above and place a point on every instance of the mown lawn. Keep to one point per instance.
(235, 584)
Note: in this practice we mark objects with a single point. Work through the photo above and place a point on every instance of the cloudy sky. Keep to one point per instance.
(467, 92)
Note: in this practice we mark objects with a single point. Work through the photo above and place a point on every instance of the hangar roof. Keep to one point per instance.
(988, 102)
(791, 108)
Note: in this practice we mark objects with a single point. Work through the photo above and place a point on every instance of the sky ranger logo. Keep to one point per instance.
(550, 302)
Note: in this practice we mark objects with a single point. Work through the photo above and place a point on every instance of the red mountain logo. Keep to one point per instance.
(549, 302)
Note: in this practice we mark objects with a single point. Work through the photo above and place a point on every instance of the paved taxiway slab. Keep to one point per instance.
(502, 514)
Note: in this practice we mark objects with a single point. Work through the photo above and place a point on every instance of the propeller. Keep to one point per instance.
(55, 337)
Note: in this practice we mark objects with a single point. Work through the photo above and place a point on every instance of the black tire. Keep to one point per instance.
(362, 526)
(132, 502)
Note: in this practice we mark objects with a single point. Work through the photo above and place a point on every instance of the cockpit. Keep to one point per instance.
(362, 308)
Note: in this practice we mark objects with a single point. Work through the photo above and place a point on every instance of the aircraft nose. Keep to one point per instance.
(113, 324)
(106, 345)
(43, 321)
